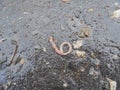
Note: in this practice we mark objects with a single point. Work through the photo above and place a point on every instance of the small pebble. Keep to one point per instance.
(3, 39)
(13, 42)
(115, 57)
(92, 55)
(37, 47)
(65, 85)
(77, 44)
(64, 71)
(82, 69)
(47, 63)
(9, 77)
(116, 14)
(80, 53)
(54, 73)
(90, 10)
(15, 32)
(44, 49)
(14, 84)
(84, 32)
(116, 3)
(22, 61)
(25, 13)
(35, 32)
(20, 18)
(62, 28)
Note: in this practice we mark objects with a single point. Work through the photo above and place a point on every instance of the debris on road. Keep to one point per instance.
(80, 53)
(35, 32)
(17, 60)
(90, 10)
(62, 27)
(37, 47)
(77, 44)
(25, 13)
(3, 39)
(113, 84)
(115, 57)
(82, 69)
(44, 49)
(14, 53)
(116, 14)
(65, 85)
(13, 42)
(85, 32)
(22, 61)
(92, 55)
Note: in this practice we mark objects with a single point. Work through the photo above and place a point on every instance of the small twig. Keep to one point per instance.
(14, 53)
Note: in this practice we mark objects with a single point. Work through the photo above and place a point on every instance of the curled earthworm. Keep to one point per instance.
(60, 51)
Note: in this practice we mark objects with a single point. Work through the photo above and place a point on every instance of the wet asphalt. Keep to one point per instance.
(36, 66)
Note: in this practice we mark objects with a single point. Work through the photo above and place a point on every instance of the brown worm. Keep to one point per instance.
(60, 51)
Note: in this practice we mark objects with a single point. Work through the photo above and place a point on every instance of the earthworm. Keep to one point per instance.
(60, 51)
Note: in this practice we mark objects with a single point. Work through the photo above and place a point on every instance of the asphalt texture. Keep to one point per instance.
(27, 59)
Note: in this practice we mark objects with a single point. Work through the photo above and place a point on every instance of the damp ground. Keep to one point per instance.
(36, 66)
